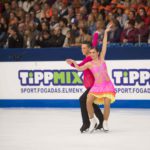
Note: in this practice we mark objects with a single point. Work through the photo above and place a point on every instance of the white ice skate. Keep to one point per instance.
(105, 126)
(93, 125)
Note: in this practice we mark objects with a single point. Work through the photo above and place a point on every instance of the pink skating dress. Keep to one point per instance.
(103, 87)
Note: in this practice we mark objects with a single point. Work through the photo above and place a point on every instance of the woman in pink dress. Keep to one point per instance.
(103, 91)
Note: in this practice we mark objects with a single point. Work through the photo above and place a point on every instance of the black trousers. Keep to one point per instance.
(84, 113)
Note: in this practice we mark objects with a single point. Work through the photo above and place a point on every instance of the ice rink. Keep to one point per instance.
(58, 129)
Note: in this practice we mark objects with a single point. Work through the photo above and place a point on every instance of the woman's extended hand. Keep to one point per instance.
(109, 28)
(69, 61)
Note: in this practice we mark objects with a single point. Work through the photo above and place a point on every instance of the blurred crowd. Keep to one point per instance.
(66, 23)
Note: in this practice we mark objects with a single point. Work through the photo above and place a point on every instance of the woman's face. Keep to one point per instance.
(131, 15)
(46, 6)
(119, 11)
(97, 24)
(141, 12)
(93, 54)
(12, 15)
(27, 32)
(44, 26)
(90, 18)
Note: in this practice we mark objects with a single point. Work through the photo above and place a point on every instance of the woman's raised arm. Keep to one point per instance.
(104, 45)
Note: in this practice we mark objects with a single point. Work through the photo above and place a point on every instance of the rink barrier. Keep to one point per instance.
(115, 52)
(29, 103)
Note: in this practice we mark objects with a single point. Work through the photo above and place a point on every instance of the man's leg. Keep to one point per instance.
(84, 113)
(99, 115)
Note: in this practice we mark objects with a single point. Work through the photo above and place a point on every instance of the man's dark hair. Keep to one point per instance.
(14, 28)
(64, 20)
(87, 43)
(131, 22)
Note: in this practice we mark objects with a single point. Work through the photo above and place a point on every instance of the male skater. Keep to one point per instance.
(88, 81)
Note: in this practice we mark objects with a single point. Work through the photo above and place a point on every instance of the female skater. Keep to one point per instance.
(103, 91)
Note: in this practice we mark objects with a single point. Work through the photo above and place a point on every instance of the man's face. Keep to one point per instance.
(57, 31)
(12, 32)
(85, 49)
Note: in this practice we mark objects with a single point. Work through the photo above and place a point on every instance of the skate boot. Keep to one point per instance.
(105, 126)
(85, 127)
(93, 125)
(99, 127)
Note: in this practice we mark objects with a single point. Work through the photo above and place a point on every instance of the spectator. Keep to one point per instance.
(121, 16)
(44, 40)
(98, 34)
(27, 19)
(70, 15)
(94, 11)
(57, 39)
(26, 5)
(2, 35)
(4, 23)
(7, 10)
(14, 6)
(21, 28)
(15, 40)
(110, 16)
(142, 14)
(79, 17)
(37, 10)
(143, 30)
(83, 37)
(114, 34)
(34, 33)
(54, 19)
(113, 6)
(27, 38)
(1, 7)
(82, 24)
(91, 24)
(69, 40)
(80, 14)
(20, 15)
(83, 12)
(74, 28)
(63, 25)
(129, 35)
(13, 20)
(44, 26)
(132, 15)
(64, 8)
(33, 18)
(47, 11)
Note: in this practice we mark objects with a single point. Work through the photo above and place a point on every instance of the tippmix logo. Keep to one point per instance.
(48, 77)
(131, 77)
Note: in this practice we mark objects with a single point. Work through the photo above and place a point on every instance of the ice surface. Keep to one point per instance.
(58, 129)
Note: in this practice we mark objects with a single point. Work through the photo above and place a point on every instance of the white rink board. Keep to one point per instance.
(57, 80)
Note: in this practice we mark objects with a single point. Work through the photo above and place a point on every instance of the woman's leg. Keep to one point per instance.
(89, 104)
(106, 108)
(106, 113)
(93, 123)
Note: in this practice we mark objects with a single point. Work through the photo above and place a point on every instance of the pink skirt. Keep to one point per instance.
(103, 90)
